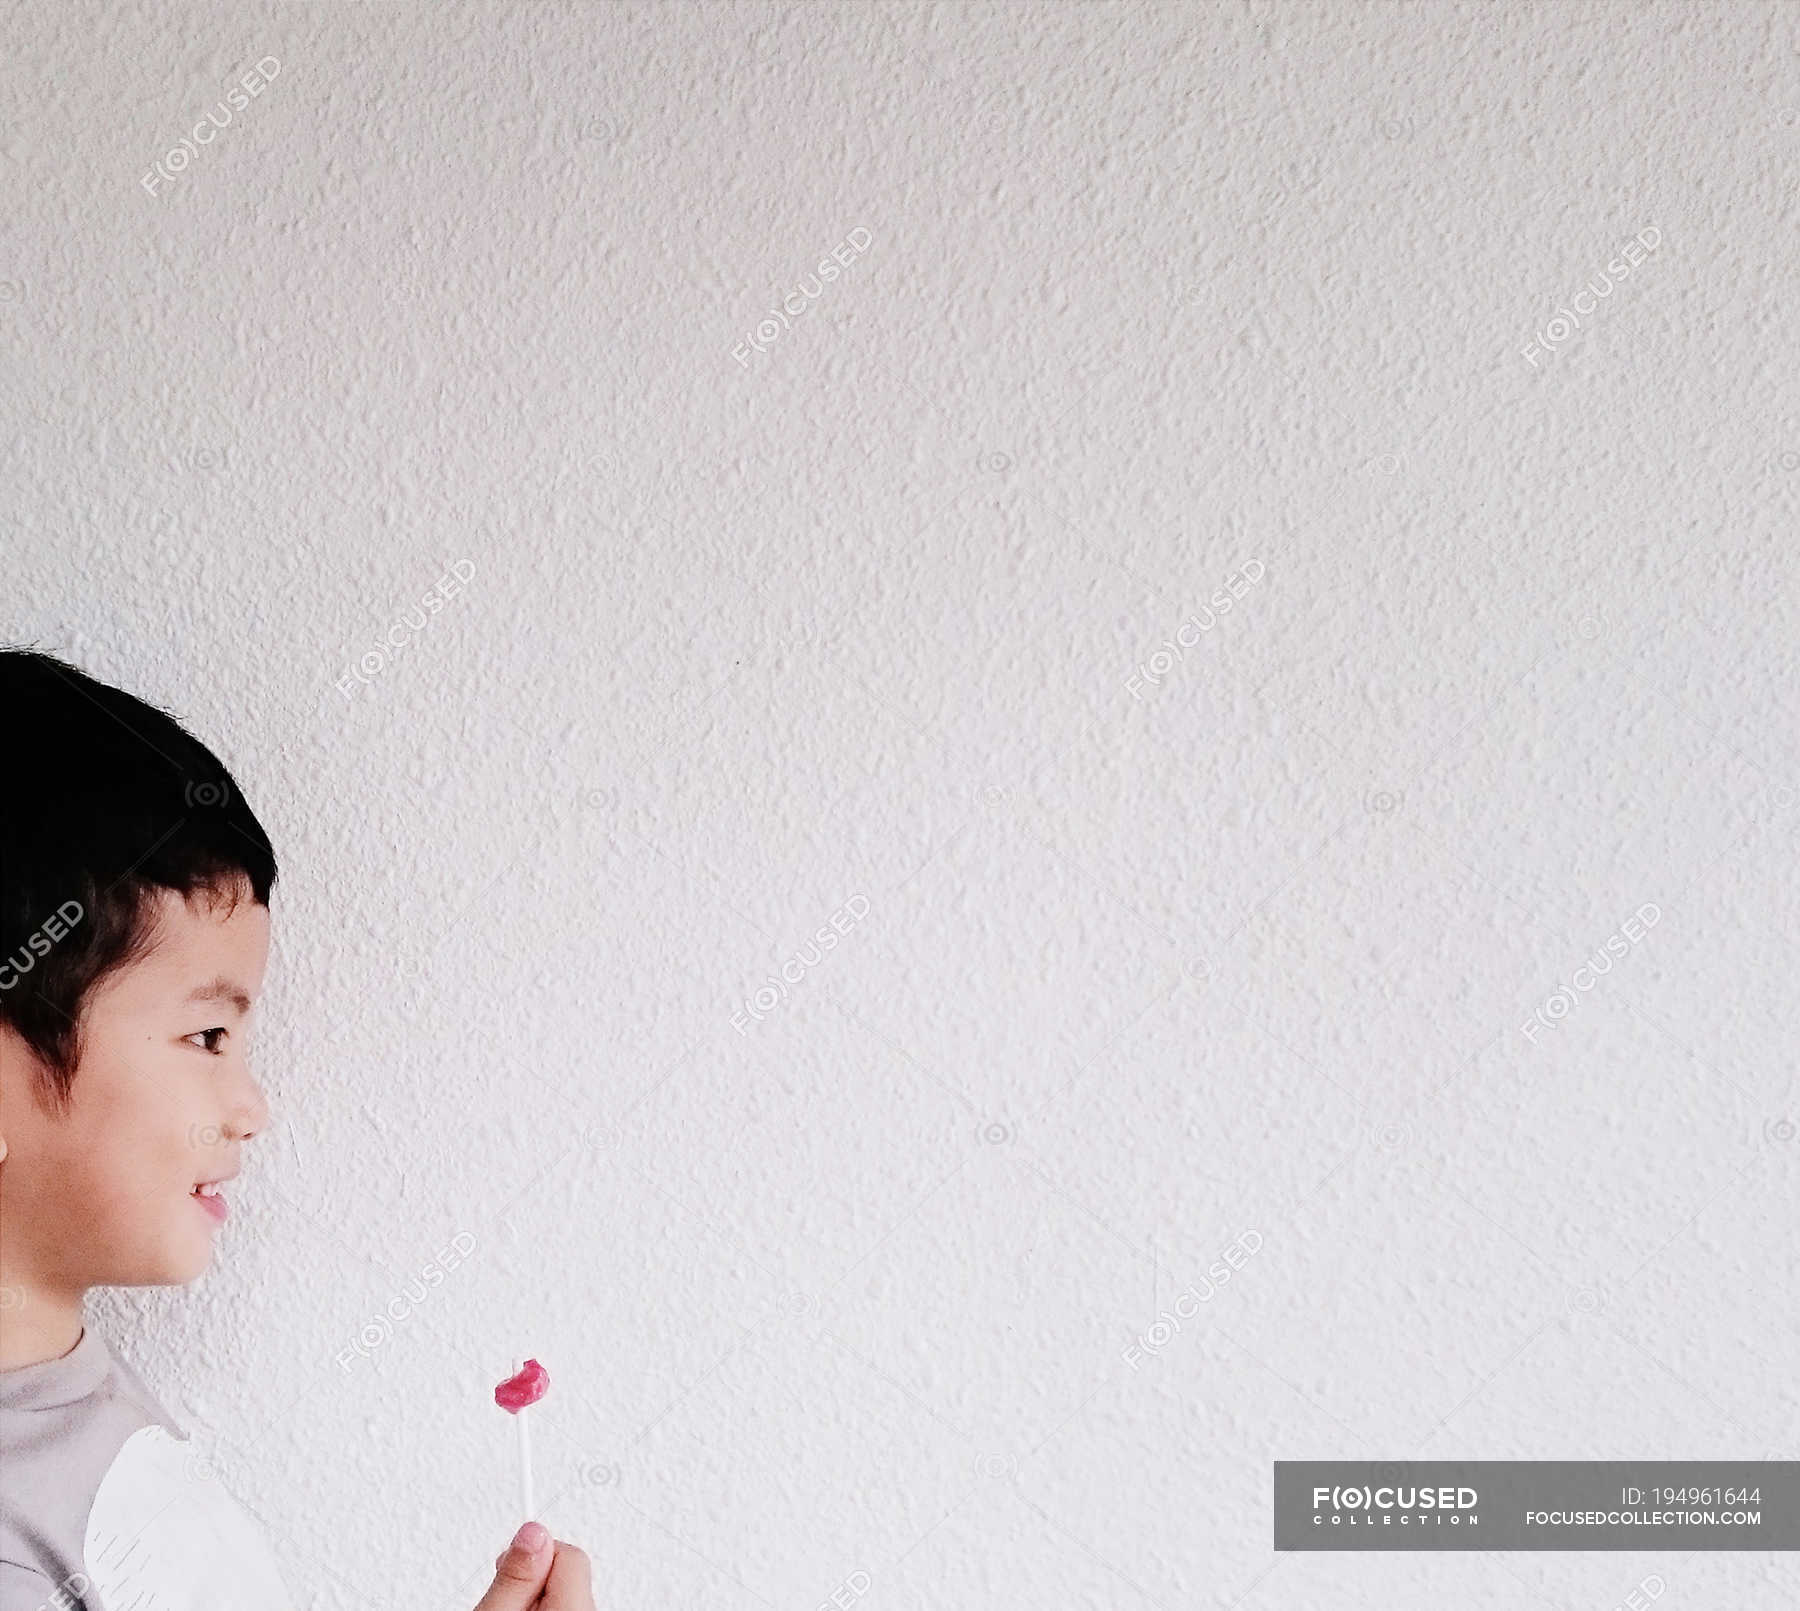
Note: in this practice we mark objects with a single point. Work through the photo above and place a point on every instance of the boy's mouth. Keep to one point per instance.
(208, 1196)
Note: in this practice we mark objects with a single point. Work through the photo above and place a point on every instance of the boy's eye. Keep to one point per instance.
(205, 1034)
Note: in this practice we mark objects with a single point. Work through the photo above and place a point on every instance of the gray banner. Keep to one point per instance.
(1537, 1504)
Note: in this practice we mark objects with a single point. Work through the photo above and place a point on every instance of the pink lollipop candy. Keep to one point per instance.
(525, 1386)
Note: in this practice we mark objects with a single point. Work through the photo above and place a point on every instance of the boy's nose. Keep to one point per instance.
(250, 1119)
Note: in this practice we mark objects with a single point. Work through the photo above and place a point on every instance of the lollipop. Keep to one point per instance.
(525, 1386)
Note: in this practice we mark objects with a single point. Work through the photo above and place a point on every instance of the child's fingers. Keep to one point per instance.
(520, 1570)
(571, 1584)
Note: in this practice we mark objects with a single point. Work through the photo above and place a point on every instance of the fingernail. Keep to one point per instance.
(531, 1537)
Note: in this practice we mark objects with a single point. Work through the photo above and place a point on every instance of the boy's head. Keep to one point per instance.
(134, 934)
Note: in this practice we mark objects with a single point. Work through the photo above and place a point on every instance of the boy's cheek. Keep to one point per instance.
(135, 1195)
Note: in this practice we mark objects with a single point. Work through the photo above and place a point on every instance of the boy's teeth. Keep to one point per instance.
(207, 1190)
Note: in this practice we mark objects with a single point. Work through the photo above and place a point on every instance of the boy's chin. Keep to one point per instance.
(199, 1255)
(181, 1261)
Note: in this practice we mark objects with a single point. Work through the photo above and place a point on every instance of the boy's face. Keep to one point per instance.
(162, 1099)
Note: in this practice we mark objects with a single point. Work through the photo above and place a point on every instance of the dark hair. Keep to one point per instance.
(111, 802)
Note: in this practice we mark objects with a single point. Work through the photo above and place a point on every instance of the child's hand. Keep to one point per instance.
(529, 1575)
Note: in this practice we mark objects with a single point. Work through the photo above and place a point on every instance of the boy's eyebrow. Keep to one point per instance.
(221, 989)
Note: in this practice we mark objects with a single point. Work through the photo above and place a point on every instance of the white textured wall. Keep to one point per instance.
(1151, 292)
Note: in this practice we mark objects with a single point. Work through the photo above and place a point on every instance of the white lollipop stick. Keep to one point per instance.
(525, 1494)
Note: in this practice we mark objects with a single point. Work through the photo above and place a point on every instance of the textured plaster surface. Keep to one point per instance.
(754, 617)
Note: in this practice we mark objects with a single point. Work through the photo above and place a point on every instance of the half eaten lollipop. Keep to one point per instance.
(525, 1386)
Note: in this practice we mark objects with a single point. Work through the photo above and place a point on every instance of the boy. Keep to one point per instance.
(134, 934)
